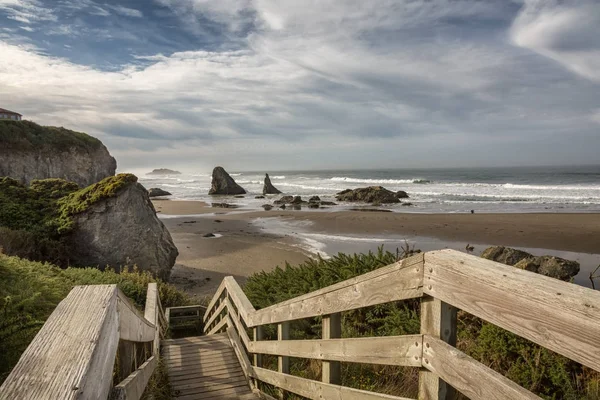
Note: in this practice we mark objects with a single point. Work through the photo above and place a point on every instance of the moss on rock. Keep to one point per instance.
(83, 199)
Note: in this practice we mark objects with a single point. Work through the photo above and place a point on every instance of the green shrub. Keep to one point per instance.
(27, 135)
(35, 221)
(29, 292)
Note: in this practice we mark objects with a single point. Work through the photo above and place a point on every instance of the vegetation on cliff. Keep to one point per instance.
(81, 200)
(34, 220)
(545, 373)
(27, 135)
(29, 292)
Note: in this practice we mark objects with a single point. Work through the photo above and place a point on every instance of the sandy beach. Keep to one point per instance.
(246, 241)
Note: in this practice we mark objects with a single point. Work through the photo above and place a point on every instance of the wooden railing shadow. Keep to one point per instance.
(559, 316)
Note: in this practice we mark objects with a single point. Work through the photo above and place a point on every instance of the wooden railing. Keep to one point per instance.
(560, 316)
(73, 355)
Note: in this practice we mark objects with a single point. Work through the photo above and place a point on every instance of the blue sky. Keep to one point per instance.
(286, 84)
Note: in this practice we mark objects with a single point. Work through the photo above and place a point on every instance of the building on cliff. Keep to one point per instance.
(6, 114)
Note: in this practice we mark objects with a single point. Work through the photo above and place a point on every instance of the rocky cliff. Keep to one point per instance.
(29, 151)
(114, 223)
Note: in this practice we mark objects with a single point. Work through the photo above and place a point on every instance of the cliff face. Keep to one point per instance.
(29, 151)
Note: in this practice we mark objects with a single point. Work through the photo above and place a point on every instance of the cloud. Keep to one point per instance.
(125, 11)
(566, 32)
(26, 11)
(325, 84)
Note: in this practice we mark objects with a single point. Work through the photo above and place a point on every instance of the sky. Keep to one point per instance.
(311, 84)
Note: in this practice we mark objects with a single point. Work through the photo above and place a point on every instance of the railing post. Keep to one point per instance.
(438, 319)
(283, 363)
(332, 329)
(257, 358)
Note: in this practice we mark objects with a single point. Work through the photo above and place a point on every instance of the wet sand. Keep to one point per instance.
(246, 247)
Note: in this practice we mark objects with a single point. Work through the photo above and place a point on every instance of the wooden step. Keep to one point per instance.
(205, 367)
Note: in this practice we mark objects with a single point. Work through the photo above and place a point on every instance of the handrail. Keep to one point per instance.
(557, 315)
(73, 354)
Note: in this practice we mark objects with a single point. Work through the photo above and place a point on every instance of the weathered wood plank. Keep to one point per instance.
(467, 375)
(215, 315)
(215, 299)
(318, 390)
(73, 354)
(438, 319)
(560, 316)
(239, 326)
(283, 362)
(203, 370)
(219, 326)
(151, 314)
(241, 354)
(201, 377)
(399, 281)
(132, 324)
(134, 385)
(384, 350)
(332, 329)
(243, 305)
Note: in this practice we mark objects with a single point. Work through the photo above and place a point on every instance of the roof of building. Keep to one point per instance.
(3, 110)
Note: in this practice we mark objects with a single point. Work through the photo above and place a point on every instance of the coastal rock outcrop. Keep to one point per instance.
(268, 187)
(223, 183)
(505, 255)
(156, 192)
(554, 267)
(163, 171)
(371, 194)
(114, 224)
(402, 194)
(29, 151)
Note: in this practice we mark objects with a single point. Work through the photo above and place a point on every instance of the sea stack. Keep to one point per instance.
(268, 188)
(222, 183)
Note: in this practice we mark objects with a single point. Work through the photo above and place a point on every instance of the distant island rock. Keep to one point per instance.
(223, 183)
(157, 192)
(115, 224)
(29, 151)
(163, 171)
(268, 187)
(371, 194)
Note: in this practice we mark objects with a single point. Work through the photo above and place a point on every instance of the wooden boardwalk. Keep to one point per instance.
(205, 367)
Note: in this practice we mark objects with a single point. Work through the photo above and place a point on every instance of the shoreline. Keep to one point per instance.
(251, 241)
(575, 232)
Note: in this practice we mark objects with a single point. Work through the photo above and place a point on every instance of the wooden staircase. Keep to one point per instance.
(73, 357)
(205, 367)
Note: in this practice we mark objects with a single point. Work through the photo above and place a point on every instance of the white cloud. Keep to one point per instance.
(27, 11)
(125, 11)
(566, 32)
(379, 77)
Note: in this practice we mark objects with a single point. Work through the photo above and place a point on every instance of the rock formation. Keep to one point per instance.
(554, 267)
(114, 224)
(156, 192)
(268, 187)
(222, 183)
(163, 171)
(371, 194)
(505, 255)
(29, 151)
(402, 194)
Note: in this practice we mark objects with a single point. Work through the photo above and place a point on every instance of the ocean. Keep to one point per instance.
(459, 190)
